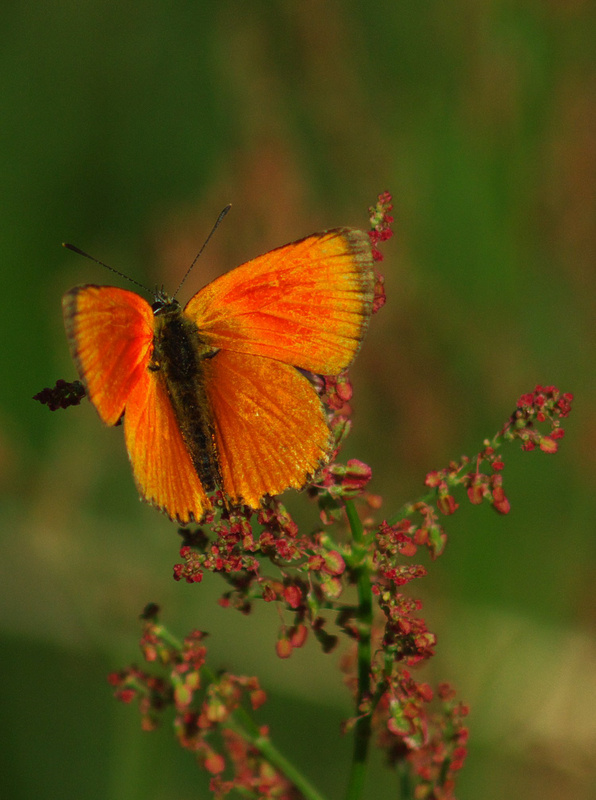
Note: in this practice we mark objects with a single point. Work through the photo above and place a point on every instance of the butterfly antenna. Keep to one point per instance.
(107, 266)
(198, 255)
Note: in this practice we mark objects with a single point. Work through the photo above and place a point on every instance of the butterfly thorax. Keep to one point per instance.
(179, 352)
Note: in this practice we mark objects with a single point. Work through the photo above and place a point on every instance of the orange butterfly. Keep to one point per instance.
(210, 394)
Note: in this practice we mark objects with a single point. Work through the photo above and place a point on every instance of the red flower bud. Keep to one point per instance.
(421, 536)
(357, 475)
(476, 492)
(257, 698)
(446, 504)
(293, 596)
(334, 563)
(500, 501)
(127, 695)
(316, 562)
(425, 692)
(548, 444)
(408, 548)
(298, 635)
(214, 763)
(433, 479)
(283, 648)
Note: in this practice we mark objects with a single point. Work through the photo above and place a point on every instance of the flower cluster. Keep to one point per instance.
(380, 223)
(253, 775)
(536, 422)
(544, 404)
(351, 569)
(210, 716)
(242, 541)
(433, 743)
(315, 570)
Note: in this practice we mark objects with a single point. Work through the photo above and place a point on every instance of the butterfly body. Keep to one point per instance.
(209, 394)
(177, 359)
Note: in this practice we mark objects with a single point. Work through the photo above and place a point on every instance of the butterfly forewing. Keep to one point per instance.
(110, 332)
(307, 303)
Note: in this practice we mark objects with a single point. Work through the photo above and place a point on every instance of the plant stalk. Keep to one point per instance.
(362, 730)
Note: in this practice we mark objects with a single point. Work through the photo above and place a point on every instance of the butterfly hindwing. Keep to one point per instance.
(161, 462)
(307, 303)
(271, 432)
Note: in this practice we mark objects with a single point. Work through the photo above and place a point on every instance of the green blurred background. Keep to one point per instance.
(126, 127)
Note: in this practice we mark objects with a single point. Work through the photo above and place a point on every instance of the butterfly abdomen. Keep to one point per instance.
(178, 353)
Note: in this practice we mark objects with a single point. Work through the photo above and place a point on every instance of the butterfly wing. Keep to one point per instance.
(161, 463)
(270, 427)
(307, 303)
(110, 332)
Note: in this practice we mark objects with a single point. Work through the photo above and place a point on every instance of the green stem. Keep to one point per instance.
(406, 789)
(242, 724)
(362, 730)
(169, 638)
(408, 508)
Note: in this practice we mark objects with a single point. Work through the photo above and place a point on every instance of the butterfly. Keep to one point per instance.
(213, 395)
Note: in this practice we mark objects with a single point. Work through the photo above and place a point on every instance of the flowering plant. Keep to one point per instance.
(263, 556)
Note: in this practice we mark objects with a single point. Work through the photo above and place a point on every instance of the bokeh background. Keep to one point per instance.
(126, 127)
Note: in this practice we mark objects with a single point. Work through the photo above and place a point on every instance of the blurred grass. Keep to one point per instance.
(125, 129)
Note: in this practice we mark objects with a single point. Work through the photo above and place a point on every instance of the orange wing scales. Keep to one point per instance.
(306, 304)
(161, 463)
(110, 332)
(270, 426)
